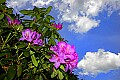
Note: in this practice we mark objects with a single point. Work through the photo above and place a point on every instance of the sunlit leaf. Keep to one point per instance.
(33, 58)
(62, 67)
(60, 75)
(50, 17)
(25, 12)
(54, 74)
(48, 9)
(1, 16)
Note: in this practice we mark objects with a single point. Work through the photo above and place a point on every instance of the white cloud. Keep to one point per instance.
(71, 10)
(99, 62)
(84, 24)
(16, 4)
(41, 3)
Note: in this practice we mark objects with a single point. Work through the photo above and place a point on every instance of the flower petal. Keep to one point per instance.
(56, 64)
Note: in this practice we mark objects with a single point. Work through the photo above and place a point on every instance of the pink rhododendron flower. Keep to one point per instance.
(64, 54)
(57, 58)
(36, 38)
(13, 22)
(57, 26)
(27, 35)
(32, 37)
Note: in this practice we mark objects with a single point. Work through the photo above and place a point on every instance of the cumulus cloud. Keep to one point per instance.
(83, 25)
(16, 4)
(94, 63)
(73, 11)
(41, 3)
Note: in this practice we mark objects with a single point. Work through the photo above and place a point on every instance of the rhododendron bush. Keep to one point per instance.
(32, 49)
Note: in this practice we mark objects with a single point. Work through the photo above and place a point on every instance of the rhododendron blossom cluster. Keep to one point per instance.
(64, 54)
(13, 22)
(57, 26)
(31, 36)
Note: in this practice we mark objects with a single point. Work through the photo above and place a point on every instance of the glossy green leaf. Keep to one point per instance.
(34, 70)
(54, 74)
(50, 17)
(25, 12)
(60, 75)
(47, 20)
(48, 56)
(1, 16)
(19, 72)
(45, 30)
(32, 23)
(48, 9)
(62, 67)
(2, 1)
(11, 73)
(33, 58)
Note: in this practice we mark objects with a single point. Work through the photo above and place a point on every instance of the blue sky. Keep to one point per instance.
(93, 27)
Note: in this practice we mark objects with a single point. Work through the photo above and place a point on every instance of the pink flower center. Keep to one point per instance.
(27, 35)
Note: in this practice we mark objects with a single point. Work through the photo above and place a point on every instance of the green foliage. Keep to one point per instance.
(1, 16)
(20, 60)
(33, 58)
(2, 1)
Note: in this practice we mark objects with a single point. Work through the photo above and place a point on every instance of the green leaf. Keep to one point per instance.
(48, 56)
(52, 41)
(46, 24)
(18, 27)
(45, 30)
(10, 10)
(1, 16)
(2, 1)
(54, 73)
(5, 78)
(60, 75)
(32, 23)
(50, 17)
(33, 58)
(47, 20)
(48, 9)
(34, 70)
(11, 73)
(62, 67)
(19, 72)
(26, 53)
(22, 45)
(45, 77)
(4, 53)
(25, 12)
(40, 77)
